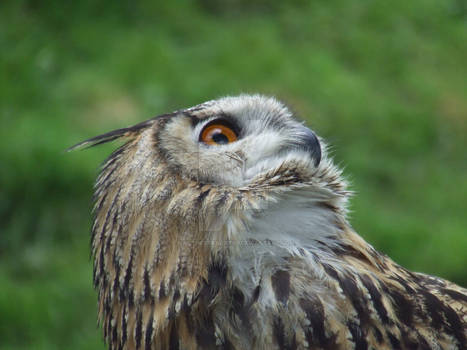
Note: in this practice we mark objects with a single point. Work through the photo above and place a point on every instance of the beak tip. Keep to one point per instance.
(309, 142)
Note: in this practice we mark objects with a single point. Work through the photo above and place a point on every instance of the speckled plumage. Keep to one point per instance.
(246, 245)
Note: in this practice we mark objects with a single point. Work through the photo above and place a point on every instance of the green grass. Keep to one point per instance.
(383, 82)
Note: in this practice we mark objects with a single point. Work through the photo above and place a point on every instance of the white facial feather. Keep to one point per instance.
(267, 127)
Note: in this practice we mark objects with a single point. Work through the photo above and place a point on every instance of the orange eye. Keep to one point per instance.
(217, 134)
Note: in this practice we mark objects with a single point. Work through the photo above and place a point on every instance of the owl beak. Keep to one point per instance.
(308, 142)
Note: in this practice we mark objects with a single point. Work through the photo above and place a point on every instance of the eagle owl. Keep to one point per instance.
(223, 226)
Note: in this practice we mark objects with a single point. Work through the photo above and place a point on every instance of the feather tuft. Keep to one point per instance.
(111, 136)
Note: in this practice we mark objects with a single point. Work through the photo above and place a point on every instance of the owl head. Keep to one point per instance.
(235, 142)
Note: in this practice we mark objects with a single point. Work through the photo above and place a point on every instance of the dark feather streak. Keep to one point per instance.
(357, 336)
(356, 297)
(124, 290)
(278, 331)
(376, 298)
(404, 307)
(205, 333)
(139, 329)
(124, 325)
(315, 334)
(174, 343)
(147, 286)
(451, 322)
(148, 334)
(280, 281)
(395, 343)
(454, 294)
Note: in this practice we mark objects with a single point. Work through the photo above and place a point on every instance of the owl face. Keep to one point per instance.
(235, 140)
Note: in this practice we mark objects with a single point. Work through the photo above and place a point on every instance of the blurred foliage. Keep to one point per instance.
(383, 82)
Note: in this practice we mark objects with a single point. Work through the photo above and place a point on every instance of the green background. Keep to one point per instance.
(384, 82)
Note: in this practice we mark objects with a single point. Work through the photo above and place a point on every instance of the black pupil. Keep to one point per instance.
(220, 138)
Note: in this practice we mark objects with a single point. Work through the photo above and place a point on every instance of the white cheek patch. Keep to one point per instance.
(275, 161)
(257, 147)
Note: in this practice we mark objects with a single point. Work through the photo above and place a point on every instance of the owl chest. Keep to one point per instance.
(271, 313)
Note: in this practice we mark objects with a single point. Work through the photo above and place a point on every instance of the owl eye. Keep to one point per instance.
(218, 132)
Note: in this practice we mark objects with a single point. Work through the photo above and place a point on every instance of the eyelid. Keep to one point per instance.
(226, 122)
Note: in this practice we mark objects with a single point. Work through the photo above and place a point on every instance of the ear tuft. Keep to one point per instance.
(112, 135)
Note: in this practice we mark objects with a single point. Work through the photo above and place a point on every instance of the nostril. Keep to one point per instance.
(308, 141)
